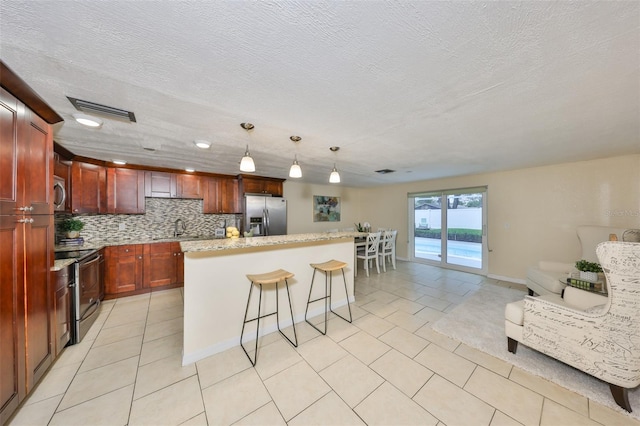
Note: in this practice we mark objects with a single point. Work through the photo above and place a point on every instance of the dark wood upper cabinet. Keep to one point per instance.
(88, 188)
(260, 185)
(26, 160)
(189, 186)
(159, 184)
(11, 114)
(125, 191)
(221, 196)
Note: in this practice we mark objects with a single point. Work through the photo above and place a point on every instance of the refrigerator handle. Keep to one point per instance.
(265, 219)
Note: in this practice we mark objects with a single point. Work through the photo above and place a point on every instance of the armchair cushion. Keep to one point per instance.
(546, 277)
(543, 281)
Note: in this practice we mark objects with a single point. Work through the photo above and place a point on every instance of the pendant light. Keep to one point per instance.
(295, 171)
(334, 177)
(247, 164)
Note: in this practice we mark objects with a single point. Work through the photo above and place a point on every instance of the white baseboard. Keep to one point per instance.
(235, 341)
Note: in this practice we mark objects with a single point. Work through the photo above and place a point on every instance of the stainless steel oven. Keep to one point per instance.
(86, 290)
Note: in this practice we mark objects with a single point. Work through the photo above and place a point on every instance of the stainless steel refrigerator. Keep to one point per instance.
(265, 215)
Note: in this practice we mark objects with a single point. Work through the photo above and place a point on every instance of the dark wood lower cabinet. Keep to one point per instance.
(39, 297)
(124, 266)
(141, 268)
(12, 325)
(163, 265)
(64, 278)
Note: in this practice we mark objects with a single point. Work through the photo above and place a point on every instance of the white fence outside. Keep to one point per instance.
(470, 218)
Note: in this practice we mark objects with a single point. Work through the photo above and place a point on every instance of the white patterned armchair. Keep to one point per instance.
(595, 334)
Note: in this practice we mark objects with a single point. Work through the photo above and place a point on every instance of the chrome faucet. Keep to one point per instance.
(180, 227)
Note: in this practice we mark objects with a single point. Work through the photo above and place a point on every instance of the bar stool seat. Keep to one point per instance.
(327, 267)
(268, 278)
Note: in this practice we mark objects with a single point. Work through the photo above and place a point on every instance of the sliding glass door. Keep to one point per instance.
(449, 228)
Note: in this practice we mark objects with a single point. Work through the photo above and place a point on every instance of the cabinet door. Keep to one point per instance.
(228, 196)
(221, 196)
(125, 191)
(160, 185)
(189, 186)
(179, 260)
(35, 163)
(210, 199)
(62, 308)
(12, 348)
(257, 185)
(273, 187)
(124, 267)
(39, 297)
(88, 188)
(159, 265)
(11, 112)
(253, 186)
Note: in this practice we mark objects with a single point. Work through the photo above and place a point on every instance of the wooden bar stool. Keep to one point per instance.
(327, 268)
(268, 278)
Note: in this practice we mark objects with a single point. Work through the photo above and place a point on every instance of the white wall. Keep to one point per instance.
(533, 213)
(300, 206)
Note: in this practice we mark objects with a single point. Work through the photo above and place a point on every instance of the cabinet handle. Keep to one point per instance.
(174, 254)
(140, 257)
(28, 220)
(26, 209)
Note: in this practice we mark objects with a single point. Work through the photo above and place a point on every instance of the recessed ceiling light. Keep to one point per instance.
(200, 143)
(87, 120)
(189, 169)
(121, 162)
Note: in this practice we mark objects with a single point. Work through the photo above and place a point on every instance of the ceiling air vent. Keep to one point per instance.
(103, 110)
(384, 171)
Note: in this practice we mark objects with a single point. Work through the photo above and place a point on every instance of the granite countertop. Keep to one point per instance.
(98, 244)
(59, 264)
(251, 242)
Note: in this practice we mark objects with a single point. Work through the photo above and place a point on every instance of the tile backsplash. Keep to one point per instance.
(157, 222)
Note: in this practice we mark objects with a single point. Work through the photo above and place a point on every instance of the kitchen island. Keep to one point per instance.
(216, 286)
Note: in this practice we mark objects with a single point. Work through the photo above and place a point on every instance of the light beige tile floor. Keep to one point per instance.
(388, 367)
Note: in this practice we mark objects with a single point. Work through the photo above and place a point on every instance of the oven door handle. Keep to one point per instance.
(84, 264)
(90, 310)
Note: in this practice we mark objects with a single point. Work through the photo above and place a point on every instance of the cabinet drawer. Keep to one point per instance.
(62, 277)
(128, 250)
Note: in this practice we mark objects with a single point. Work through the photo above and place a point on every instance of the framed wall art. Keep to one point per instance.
(326, 209)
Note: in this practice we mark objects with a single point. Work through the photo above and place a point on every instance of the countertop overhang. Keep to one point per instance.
(253, 242)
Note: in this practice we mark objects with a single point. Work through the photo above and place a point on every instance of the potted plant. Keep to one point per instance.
(71, 227)
(588, 270)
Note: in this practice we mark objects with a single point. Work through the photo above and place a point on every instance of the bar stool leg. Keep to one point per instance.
(293, 325)
(346, 294)
(309, 302)
(328, 286)
(246, 312)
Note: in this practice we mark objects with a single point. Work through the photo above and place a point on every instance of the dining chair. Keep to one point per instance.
(369, 252)
(388, 248)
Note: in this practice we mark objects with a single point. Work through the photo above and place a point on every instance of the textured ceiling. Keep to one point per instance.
(429, 89)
